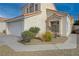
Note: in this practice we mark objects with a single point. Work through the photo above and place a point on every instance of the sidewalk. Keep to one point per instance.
(11, 41)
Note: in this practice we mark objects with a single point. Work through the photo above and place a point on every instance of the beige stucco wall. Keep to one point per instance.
(66, 26)
(69, 28)
(63, 26)
(36, 21)
(45, 6)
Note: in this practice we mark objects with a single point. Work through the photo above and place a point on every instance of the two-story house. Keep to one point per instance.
(42, 15)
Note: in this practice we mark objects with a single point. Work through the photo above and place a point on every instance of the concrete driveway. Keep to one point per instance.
(12, 42)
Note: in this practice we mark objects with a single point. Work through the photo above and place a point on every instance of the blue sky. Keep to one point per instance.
(10, 10)
(71, 8)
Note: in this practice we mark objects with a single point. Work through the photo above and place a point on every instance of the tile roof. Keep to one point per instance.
(2, 19)
(23, 15)
(58, 13)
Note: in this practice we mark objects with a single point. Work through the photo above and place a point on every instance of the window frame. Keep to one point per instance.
(32, 8)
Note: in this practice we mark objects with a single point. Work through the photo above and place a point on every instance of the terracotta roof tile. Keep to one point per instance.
(2, 19)
(58, 13)
(31, 14)
(27, 15)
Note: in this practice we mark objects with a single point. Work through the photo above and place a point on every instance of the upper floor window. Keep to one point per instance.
(33, 7)
(27, 10)
(36, 7)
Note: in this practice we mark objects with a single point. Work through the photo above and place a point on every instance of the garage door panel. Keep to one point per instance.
(16, 28)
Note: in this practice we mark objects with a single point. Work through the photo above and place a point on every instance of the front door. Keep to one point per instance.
(54, 26)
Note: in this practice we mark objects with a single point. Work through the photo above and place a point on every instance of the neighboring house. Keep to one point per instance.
(42, 15)
(2, 25)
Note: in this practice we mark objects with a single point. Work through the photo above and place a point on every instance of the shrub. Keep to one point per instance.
(30, 34)
(27, 36)
(34, 29)
(47, 36)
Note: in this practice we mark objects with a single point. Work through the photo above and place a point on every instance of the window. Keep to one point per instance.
(54, 26)
(31, 9)
(36, 7)
(27, 11)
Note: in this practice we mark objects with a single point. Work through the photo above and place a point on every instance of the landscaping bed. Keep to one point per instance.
(29, 37)
(57, 40)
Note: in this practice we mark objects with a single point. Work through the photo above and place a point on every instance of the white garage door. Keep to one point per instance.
(16, 28)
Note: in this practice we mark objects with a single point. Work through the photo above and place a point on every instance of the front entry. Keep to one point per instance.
(55, 27)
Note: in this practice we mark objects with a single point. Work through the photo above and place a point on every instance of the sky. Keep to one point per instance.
(71, 8)
(10, 10)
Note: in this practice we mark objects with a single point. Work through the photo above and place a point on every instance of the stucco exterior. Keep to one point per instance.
(36, 21)
(64, 26)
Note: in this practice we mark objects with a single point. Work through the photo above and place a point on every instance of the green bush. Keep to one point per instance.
(47, 36)
(30, 34)
(27, 36)
(34, 29)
